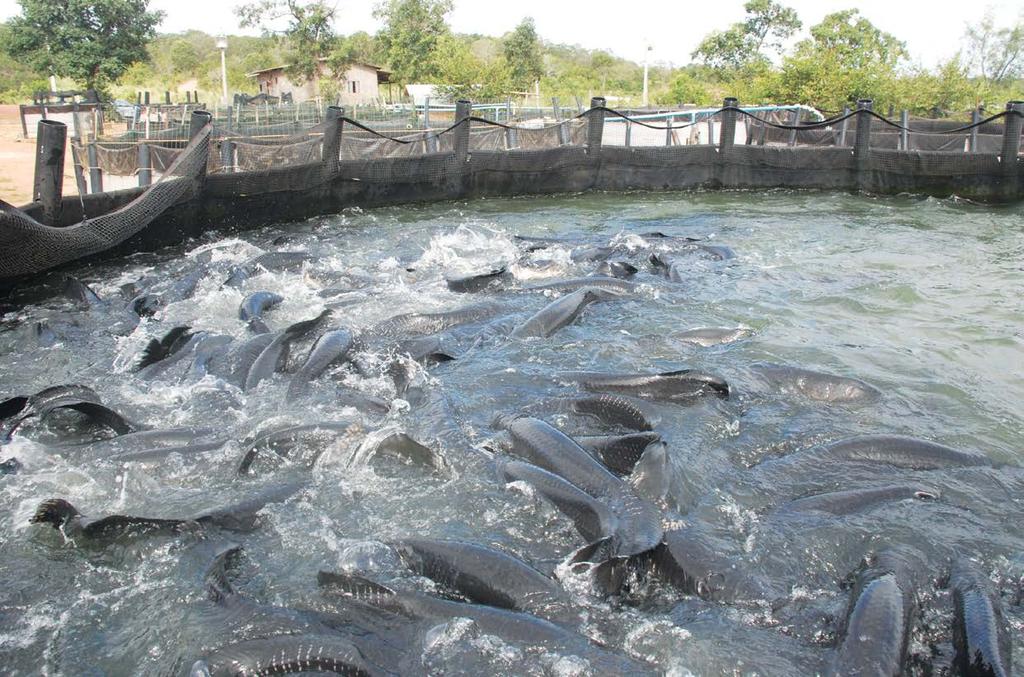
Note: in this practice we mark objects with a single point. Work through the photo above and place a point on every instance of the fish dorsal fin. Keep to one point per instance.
(55, 512)
(353, 586)
(598, 551)
(160, 349)
(216, 579)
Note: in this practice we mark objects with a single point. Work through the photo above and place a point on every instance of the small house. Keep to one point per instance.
(360, 84)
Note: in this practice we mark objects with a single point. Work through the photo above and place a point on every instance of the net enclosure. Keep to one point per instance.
(154, 191)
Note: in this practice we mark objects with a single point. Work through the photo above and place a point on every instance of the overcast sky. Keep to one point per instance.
(932, 30)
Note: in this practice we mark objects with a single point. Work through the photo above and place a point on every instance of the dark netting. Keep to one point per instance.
(257, 157)
(675, 152)
(117, 159)
(484, 137)
(27, 246)
(358, 144)
(933, 163)
(568, 133)
(832, 136)
(162, 158)
(621, 130)
(427, 168)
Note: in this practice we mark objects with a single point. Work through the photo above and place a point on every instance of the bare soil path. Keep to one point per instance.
(17, 161)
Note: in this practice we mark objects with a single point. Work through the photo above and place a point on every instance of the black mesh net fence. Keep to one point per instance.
(27, 246)
(297, 160)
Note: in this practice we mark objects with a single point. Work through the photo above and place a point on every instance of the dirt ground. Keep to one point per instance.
(17, 161)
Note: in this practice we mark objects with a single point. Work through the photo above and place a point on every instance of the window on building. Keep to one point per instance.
(353, 87)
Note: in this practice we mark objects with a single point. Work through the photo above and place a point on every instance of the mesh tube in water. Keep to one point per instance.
(27, 246)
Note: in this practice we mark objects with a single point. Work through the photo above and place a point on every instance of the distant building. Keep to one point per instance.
(360, 85)
(420, 93)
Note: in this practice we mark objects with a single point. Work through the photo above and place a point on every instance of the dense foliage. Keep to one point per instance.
(307, 36)
(91, 42)
(842, 58)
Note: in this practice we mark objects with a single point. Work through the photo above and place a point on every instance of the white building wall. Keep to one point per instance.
(359, 87)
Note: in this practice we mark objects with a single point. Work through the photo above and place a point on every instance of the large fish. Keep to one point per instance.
(815, 385)
(331, 348)
(483, 574)
(239, 516)
(560, 312)
(682, 385)
(639, 522)
(901, 451)
(40, 405)
(877, 629)
(514, 626)
(981, 636)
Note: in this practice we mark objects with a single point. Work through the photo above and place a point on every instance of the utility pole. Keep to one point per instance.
(647, 55)
(222, 45)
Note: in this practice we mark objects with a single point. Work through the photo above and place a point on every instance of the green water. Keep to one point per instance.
(920, 298)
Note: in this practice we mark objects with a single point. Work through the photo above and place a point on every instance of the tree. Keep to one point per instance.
(90, 41)
(854, 40)
(464, 75)
(523, 55)
(846, 58)
(947, 90)
(412, 32)
(684, 88)
(308, 33)
(996, 53)
(767, 25)
(183, 58)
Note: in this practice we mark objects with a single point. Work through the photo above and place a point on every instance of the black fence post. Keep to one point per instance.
(1011, 133)
(227, 155)
(843, 126)
(1011, 146)
(145, 165)
(95, 173)
(595, 125)
(198, 121)
(973, 141)
(862, 140)
(727, 135)
(794, 120)
(463, 109)
(51, 143)
(332, 139)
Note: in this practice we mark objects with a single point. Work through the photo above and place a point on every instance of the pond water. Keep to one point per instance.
(919, 298)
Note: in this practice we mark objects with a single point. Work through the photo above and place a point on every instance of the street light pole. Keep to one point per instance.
(222, 45)
(646, 59)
